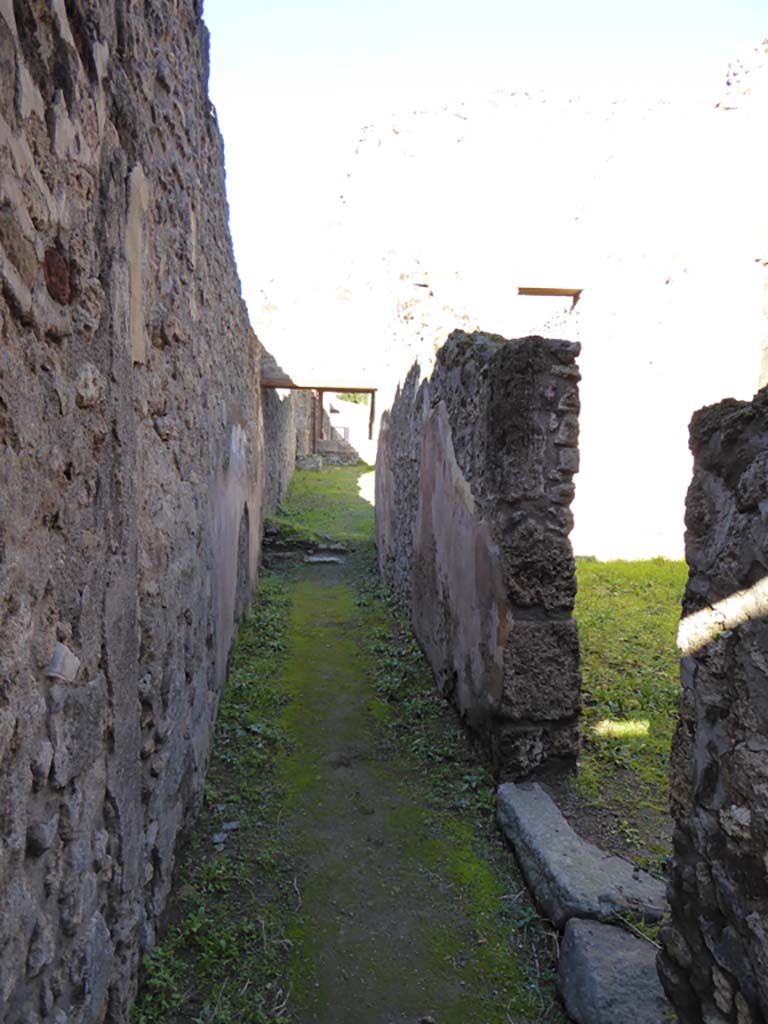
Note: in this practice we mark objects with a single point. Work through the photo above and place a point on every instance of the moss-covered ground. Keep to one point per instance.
(329, 501)
(345, 865)
(357, 873)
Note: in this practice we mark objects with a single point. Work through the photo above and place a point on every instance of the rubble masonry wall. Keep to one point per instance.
(280, 434)
(715, 959)
(474, 480)
(132, 473)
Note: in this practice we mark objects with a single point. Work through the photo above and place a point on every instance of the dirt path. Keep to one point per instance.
(382, 936)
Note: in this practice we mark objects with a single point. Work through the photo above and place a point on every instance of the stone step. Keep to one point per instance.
(568, 876)
(607, 976)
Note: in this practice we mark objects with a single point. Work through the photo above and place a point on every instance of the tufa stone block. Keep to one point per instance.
(541, 671)
(568, 876)
(607, 976)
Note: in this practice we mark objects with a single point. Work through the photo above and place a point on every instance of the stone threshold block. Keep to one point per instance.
(568, 876)
(607, 976)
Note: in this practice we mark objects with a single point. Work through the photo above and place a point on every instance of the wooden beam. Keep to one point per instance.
(574, 294)
(287, 384)
(371, 415)
(570, 293)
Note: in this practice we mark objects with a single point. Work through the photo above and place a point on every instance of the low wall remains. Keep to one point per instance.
(474, 481)
(715, 959)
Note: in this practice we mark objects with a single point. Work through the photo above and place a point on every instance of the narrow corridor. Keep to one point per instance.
(346, 865)
(395, 903)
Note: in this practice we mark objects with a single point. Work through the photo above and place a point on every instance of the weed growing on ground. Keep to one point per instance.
(637, 926)
(456, 833)
(223, 959)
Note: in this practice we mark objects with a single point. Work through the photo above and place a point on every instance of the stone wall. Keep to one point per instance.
(280, 437)
(474, 480)
(715, 960)
(304, 405)
(131, 466)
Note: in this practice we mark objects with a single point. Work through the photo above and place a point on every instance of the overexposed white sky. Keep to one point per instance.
(293, 81)
(342, 198)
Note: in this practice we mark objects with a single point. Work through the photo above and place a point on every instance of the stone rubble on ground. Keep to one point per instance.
(279, 538)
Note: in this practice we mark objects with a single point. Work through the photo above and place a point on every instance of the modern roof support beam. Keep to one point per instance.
(567, 293)
(285, 383)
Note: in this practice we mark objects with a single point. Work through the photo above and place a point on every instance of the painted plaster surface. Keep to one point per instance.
(457, 562)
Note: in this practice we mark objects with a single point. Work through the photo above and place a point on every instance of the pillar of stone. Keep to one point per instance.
(714, 964)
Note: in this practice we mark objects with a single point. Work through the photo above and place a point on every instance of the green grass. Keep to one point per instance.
(442, 826)
(628, 614)
(356, 397)
(328, 501)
